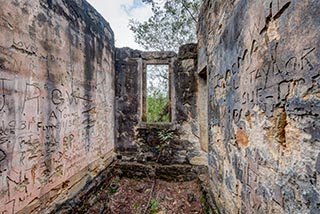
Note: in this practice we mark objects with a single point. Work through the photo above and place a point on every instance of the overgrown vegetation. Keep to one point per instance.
(173, 23)
(165, 136)
(158, 108)
(158, 102)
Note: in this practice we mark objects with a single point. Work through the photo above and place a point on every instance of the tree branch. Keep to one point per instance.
(184, 5)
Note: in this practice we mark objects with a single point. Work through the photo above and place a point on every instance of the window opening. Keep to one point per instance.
(157, 106)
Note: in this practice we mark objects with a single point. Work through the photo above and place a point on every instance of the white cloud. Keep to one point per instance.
(118, 14)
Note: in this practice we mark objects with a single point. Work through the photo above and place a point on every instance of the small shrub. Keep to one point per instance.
(154, 206)
(166, 135)
(112, 189)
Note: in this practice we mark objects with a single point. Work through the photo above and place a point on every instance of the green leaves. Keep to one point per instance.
(154, 206)
(172, 25)
(157, 107)
(166, 135)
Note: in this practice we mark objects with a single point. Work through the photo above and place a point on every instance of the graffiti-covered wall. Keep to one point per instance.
(56, 100)
(263, 80)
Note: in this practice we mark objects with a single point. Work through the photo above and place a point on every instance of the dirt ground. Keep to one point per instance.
(148, 196)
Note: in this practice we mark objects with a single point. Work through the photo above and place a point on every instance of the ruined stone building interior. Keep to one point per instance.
(243, 117)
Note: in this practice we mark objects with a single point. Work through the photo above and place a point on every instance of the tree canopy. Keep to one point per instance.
(172, 24)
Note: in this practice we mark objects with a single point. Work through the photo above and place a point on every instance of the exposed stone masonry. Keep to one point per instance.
(262, 59)
(139, 141)
(56, 101)
(244, 102)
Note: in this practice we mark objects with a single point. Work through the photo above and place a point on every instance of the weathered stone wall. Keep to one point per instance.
(56, 100)
(264, 104)
(128, 99)
(186, 86)
(138, 140)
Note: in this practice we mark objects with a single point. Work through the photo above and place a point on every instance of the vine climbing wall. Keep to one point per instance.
(56, 100)
(262, 59)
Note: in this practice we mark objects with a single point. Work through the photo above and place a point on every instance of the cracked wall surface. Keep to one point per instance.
(262, 59)
(56, 100)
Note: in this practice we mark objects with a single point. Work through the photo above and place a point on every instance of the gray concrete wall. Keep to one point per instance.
(262, 59)
(56, 100)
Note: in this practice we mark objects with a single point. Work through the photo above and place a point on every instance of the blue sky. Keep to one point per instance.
(118, 14)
